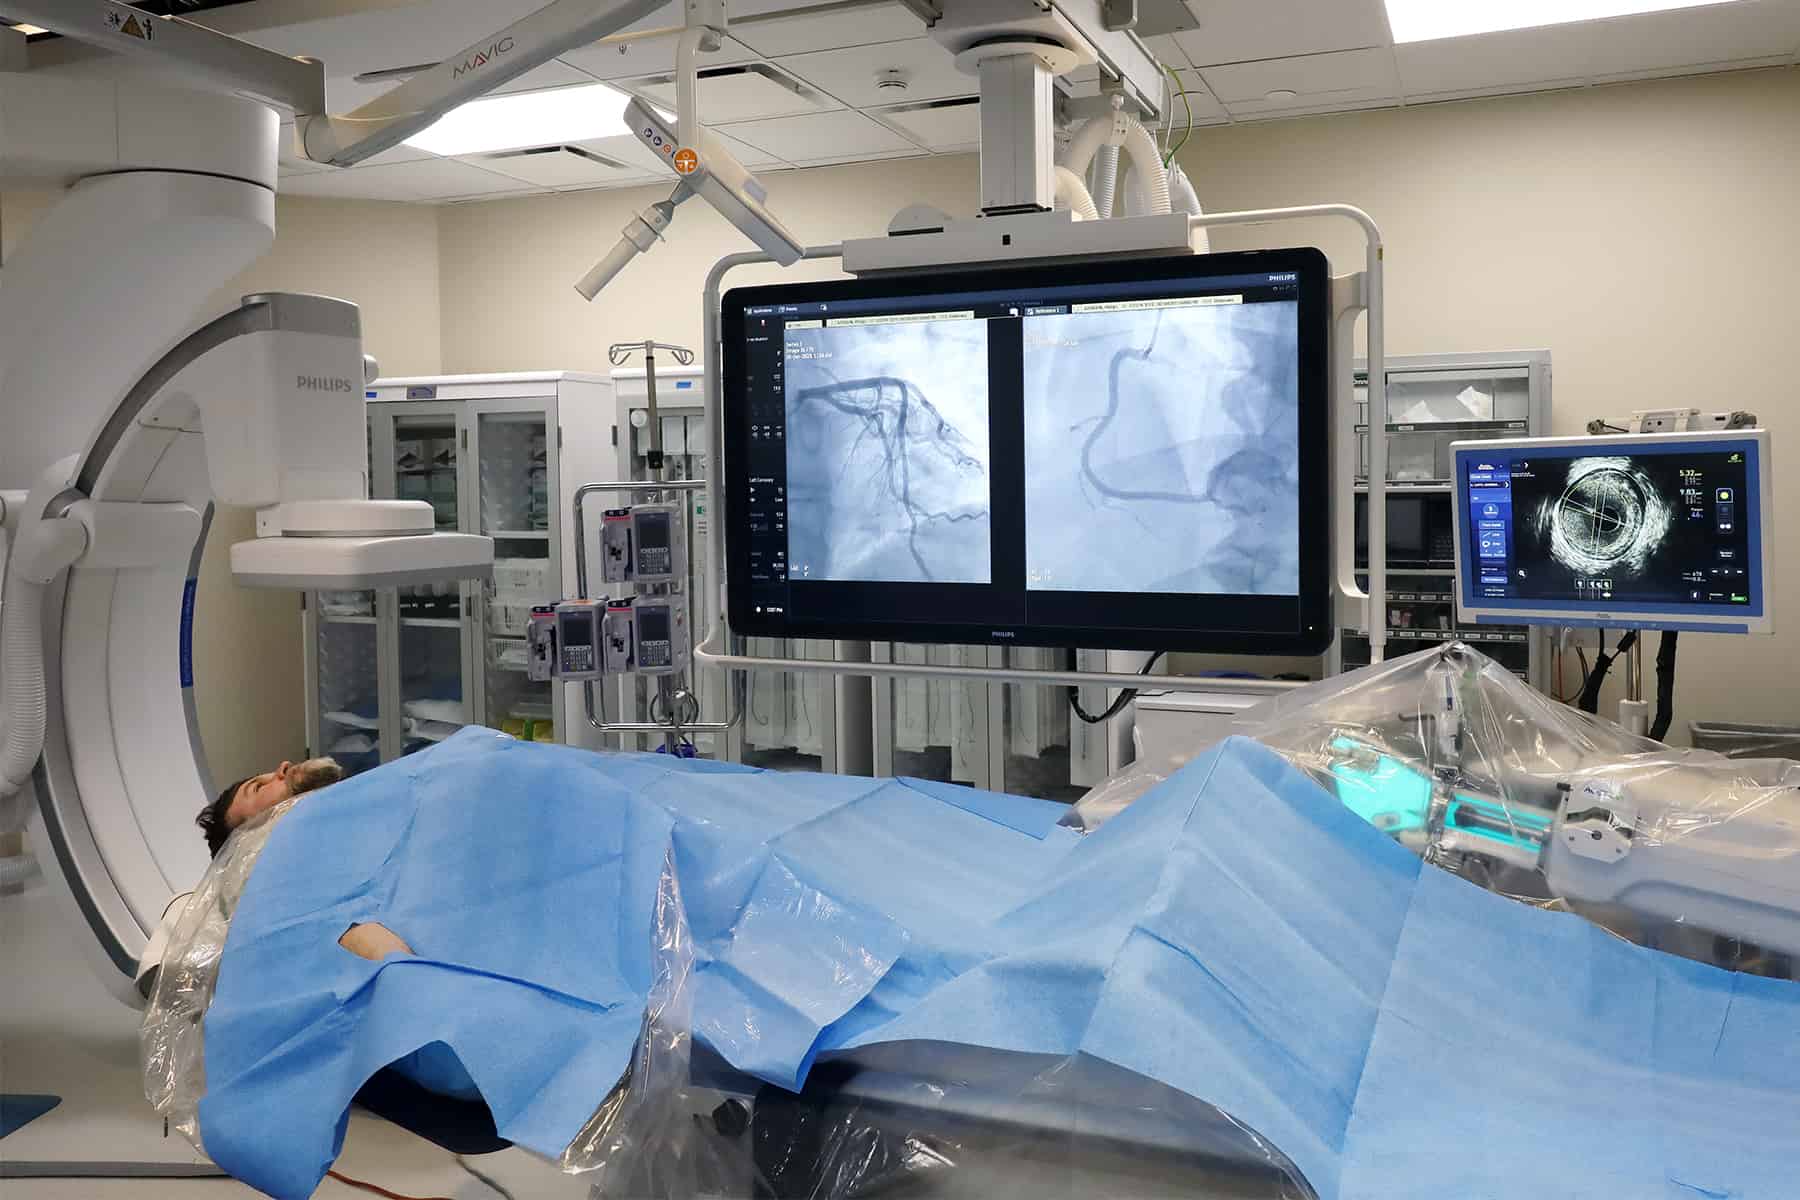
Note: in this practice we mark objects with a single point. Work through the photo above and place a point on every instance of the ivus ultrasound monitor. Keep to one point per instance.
(1662, 531)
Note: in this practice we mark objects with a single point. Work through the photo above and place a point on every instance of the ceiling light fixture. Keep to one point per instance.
(30, 30)
(1429, 20)
(572, 114)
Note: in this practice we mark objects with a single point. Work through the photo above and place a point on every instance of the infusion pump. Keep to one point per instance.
(646, 633)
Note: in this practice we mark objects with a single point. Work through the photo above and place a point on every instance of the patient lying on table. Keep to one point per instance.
(1236, 934)
(257, 794)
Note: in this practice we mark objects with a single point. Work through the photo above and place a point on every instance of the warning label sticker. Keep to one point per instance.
(130, 24)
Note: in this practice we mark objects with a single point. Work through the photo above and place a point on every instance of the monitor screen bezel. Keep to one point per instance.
(1312, 633)
(1756, 617)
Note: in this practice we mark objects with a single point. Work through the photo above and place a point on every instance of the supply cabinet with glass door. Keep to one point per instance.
(489, 454)
(1433, 401)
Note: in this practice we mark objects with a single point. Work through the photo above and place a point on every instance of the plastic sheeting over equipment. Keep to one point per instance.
(1455, 758)
(838, 984)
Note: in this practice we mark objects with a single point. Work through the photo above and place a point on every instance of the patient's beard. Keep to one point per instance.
(312, 775)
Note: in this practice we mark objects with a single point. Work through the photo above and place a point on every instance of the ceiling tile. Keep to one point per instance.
(431, 179)
(863, 157)
(1496, 60)
(553, 74)
(802, 33)
(1315, 79)
(852, 74)
(1270, 112)
(1199, 97)
(954, 125)
(1508, 89)
(649, 56)
(1736, 64)
(821, 137)
(748, 92)
(1248, 30)
(561, 166)
(1652, 43)
(1167, 50)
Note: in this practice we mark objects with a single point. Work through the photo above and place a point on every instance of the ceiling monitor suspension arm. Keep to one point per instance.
(298, 84)
(415, 105)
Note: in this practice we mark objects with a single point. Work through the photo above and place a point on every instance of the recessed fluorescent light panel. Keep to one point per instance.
(1428, 20)
(553, 117)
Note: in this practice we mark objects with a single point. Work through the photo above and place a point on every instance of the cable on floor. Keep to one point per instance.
(377, 1189)
(493, 1184)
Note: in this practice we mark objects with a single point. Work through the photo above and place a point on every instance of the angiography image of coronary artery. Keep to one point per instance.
(1608, 518)
(887, 452)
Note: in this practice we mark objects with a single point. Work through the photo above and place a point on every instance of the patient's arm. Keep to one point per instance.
(373, 942)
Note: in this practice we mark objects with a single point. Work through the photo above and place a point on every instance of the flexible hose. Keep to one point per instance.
(1146, 164)
(1184, 199)
(1073, 193)
(1665, 685)
(1131, 194)
(1590, 694)
(1106, 179)
(23, 708)
(1094, 133)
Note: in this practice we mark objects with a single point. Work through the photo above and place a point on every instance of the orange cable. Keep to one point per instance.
(377, 1189)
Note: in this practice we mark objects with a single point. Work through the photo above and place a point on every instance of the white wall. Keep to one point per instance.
(1647, 234)
(247, 651)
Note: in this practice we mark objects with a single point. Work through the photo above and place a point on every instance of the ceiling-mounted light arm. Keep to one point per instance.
(642, 232)
(418, 103)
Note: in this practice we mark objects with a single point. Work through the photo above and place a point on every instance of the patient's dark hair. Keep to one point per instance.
(212, 818)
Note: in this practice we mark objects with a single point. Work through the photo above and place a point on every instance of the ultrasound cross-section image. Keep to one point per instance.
(1162, 450)
(1606, 517)
(887, 452)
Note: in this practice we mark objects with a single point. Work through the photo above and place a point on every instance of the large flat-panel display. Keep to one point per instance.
(1665, 531)
(1128, 454)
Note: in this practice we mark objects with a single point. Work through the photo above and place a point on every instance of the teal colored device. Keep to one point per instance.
(1396, 799)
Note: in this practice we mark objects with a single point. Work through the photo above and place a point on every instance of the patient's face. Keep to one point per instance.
(262, 792)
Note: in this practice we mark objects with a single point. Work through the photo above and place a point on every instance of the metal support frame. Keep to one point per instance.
(1018, 149)
(1354, 295)
(1088, 29)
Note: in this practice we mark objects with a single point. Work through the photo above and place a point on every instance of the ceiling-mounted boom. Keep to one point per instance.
(224, 61)
(298, 84)
(417, 104)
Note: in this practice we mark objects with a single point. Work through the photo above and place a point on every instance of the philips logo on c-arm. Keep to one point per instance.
(324, 383)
